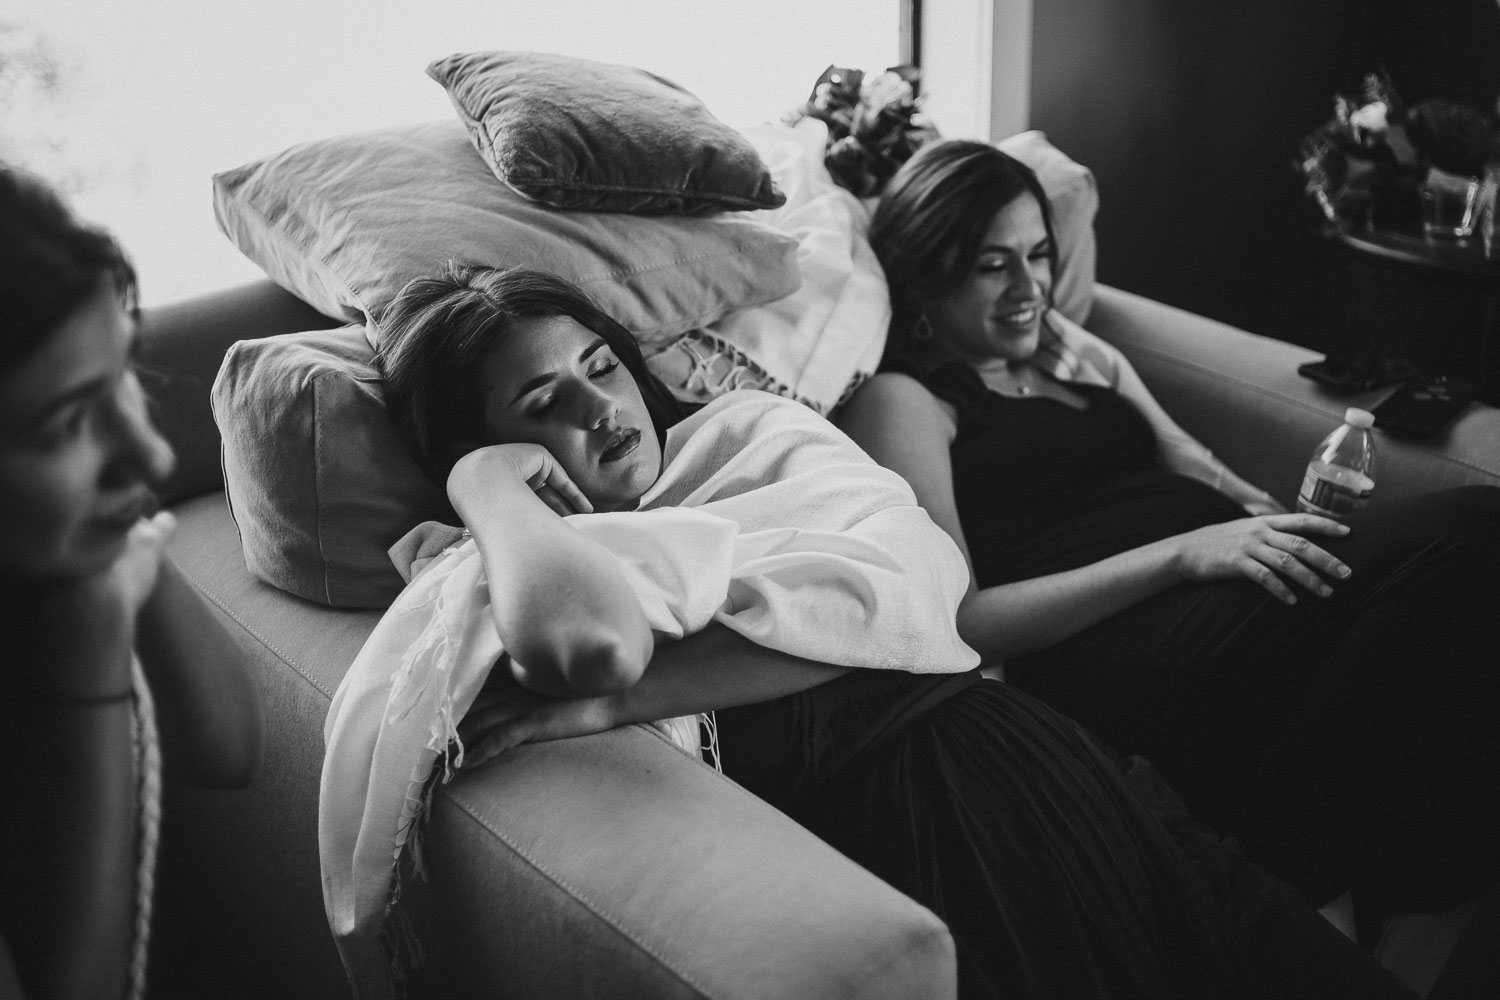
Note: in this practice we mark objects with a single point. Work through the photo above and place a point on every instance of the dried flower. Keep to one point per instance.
(1374, 143)
(874, 124)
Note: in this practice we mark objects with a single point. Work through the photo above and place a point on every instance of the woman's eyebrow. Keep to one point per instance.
(546, 377)
(68, 397)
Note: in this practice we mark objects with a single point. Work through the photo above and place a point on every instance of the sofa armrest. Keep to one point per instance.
(616, 866)
(181, 347)
(1240, 394)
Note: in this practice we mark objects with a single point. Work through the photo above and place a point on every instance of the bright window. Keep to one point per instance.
(152, 97)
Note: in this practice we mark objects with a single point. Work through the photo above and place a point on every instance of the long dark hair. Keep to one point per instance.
(437, 331)
(931, 222)
(50, 265)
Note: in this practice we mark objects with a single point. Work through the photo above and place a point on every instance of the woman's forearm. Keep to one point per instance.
(208, 707)
(565, 612)
(716, 668)
(1014, 619)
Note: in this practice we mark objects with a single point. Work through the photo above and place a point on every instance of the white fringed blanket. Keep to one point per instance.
(766, 519)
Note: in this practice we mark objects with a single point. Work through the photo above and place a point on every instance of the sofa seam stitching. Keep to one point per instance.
(285, 658)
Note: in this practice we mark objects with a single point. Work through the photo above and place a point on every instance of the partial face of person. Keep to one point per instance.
(995, 315)
(79, 457)
(552, 381)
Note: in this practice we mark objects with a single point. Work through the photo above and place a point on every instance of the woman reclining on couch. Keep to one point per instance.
(1060, 869)
(1325, 693)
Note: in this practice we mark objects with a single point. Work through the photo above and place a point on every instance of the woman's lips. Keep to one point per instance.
(124, 518)
(1019, 318)
(620, 445)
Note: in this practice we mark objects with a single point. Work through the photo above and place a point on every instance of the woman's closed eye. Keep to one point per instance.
(997, 264)
(540, 406)
(605, 367)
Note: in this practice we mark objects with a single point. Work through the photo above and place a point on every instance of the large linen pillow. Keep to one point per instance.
(345, 223)
(579, 134)
(318, 479)
(1074, 199)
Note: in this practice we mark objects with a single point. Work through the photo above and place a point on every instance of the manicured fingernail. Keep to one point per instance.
(1291, 598)
(1343, 572)
(1324, 590)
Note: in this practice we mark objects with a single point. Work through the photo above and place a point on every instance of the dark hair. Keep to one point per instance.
(931, 222)
(50, 265)
(437, 331)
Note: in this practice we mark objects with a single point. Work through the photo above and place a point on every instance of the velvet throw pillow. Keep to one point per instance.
(344, 223)
(318, 478)
(579, 134)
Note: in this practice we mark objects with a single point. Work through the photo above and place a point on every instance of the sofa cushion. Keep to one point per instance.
(344, 223)
(318, 478)
(580, 134)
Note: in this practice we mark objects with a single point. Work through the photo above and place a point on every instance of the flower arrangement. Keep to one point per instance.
(874, 124)
(1365, 162)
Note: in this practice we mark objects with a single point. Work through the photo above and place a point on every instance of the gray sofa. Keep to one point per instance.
(610, 866)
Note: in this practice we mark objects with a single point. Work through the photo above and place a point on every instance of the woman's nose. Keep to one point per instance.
(1025, 284)
(600, 408)
(138, 449)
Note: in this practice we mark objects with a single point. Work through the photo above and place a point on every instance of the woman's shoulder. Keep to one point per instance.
(891, 402)
(896, 388)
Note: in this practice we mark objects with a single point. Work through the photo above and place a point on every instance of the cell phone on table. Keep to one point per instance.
(1423, 406)
(1356, 374)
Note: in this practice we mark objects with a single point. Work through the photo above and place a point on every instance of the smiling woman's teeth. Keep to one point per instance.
(1021, 318)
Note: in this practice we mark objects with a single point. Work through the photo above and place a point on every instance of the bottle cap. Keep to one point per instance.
(1359, 418)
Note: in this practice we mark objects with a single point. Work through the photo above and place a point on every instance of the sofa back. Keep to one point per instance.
(182, 345)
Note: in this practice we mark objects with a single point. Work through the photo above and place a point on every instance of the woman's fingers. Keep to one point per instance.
(555, 501)
(560, 482)
(1304, 524)
(551, 480)
(492, 730)
(1295, 558)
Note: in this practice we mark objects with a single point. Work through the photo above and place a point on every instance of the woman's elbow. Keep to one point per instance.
(587, 662)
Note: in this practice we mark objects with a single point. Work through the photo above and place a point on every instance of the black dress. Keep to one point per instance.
(1348, 742)
(1061, 870)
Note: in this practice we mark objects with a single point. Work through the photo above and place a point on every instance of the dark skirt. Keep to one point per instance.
(1061, 869)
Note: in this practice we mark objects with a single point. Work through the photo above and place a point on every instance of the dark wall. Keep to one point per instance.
(1189, 112)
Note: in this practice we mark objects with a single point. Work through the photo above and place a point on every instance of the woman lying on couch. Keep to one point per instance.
(87, 724)
(1323, 692)
(1060, 869)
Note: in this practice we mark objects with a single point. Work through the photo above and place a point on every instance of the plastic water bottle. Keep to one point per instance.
(1341, 475)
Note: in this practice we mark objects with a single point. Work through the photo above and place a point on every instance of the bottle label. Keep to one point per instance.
(1333, 491)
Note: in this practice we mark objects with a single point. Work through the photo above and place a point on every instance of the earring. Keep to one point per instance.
(923, 328)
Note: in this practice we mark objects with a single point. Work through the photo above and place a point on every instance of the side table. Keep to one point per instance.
(1398, 296)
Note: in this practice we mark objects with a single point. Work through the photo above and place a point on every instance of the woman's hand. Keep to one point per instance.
(1265, 550)
(89, 622)
(530, 464)
(505, 715)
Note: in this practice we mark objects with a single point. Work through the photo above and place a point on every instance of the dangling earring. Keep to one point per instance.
(923, 328)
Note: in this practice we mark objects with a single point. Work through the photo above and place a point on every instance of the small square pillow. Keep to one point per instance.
(1074, 198)
(318, 478)
(345, 223)
(579, 134)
